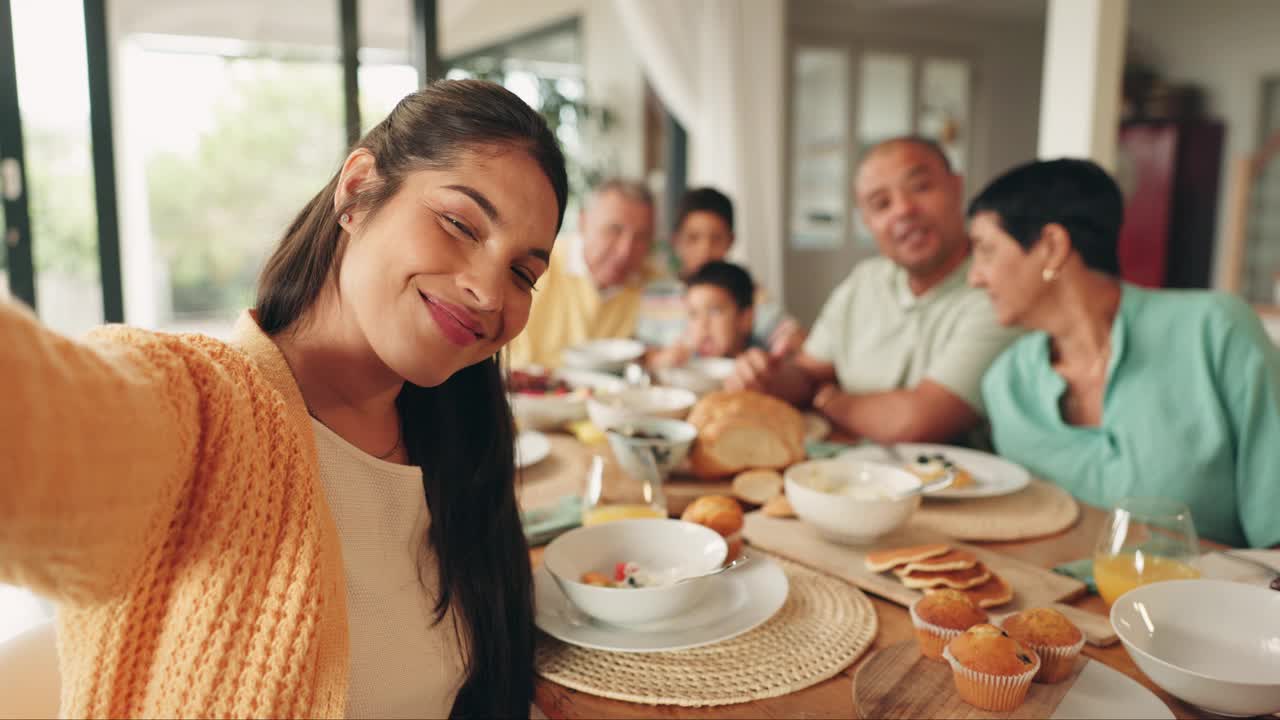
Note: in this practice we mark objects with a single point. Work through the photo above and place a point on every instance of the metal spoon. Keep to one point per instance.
(927, 488)
(742, 560)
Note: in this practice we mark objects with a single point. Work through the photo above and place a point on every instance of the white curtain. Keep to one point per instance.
(718, 66)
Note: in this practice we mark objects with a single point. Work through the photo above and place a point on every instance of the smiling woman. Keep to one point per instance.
(229, 518)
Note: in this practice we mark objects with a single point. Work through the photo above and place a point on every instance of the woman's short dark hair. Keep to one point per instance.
(704, 199)
(731, 278)
(461, 432)
(1076, 194)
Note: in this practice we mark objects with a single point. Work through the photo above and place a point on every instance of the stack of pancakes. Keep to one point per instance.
(933, 567)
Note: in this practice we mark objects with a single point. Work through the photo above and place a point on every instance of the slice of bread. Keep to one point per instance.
(780, 507)
(757, 486)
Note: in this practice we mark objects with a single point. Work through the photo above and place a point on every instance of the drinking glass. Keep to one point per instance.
(1145, 540)
(620, 495)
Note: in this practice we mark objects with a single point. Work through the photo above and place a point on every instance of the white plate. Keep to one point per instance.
(992, 475)
(609, 355)
(532, 447)
(1102, 692)
(597, 381)
(1215, 566)
(742, 599)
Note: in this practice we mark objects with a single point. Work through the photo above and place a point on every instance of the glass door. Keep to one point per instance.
(15, 235)
(51, 232)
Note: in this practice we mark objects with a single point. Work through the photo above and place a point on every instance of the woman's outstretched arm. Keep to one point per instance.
(97, 442)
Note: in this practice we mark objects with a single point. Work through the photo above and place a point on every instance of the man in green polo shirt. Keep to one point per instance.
(899, 349)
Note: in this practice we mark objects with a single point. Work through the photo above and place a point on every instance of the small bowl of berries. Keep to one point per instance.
(546, 400)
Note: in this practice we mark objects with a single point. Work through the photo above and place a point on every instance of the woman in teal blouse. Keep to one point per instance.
(1120, 390)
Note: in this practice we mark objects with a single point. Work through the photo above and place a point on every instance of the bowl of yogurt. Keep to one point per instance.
(851, 502)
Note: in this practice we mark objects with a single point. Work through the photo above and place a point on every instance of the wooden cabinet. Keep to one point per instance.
(1169, 172)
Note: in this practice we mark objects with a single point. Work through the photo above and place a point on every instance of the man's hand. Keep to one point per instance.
(753, 370)
(674, 356)
(825, 395)
(926, 413)
(787, 338)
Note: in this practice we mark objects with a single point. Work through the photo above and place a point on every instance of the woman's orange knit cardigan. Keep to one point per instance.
(164, 490)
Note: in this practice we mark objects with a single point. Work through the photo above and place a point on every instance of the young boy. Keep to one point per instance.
(719, 304)
(703, 232)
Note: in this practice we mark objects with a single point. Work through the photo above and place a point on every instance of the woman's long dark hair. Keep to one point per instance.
(460, 433)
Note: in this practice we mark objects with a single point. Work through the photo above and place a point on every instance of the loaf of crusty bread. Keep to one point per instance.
(744, 430)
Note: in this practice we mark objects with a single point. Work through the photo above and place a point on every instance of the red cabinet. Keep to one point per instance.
(1169, 172)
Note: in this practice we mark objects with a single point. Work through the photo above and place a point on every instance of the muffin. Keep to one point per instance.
(991, 670)
(1054, 638)
(941, 616)
(722, 514)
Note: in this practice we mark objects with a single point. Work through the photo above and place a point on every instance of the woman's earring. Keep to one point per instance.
(1048, 274)
(344, 219)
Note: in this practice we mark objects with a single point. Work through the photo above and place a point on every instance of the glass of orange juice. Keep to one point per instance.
(1145, 540)
(620, 496)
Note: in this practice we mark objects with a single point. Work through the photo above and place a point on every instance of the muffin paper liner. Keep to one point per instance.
(933, 638)
(999, 693)
(1056, 661)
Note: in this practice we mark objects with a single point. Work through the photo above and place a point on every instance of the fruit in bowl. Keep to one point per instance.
(851, 501)
(666, 550)
(545, 400)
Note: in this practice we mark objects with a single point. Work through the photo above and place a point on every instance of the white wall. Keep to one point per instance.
(613, 74)
(1006, 44)
(1226, 47)
(1081, 91)
(1009, 47)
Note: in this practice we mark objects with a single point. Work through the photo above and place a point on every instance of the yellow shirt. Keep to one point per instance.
(568, 309)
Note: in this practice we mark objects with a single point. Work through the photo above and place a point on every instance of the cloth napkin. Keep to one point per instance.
(542, 525)
(1212, 565)
(821, 449)
(1081, 570)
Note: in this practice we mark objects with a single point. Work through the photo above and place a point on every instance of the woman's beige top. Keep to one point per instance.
(402, 665)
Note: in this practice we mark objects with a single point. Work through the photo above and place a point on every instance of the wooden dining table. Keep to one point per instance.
(833, 698)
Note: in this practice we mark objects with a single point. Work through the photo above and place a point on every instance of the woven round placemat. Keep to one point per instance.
(1040, 509)
(824, 626)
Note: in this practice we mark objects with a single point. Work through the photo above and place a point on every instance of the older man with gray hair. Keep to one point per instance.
(593, 287)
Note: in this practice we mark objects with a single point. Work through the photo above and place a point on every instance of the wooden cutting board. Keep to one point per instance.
(899, 682)
(1033, 586)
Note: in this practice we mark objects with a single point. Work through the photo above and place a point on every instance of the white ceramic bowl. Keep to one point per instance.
(700, 375)
(1212, 643)
(611, 409)
(667, 451)
(549, 412)
(847, 500)
(659, 545)
(610, 355)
